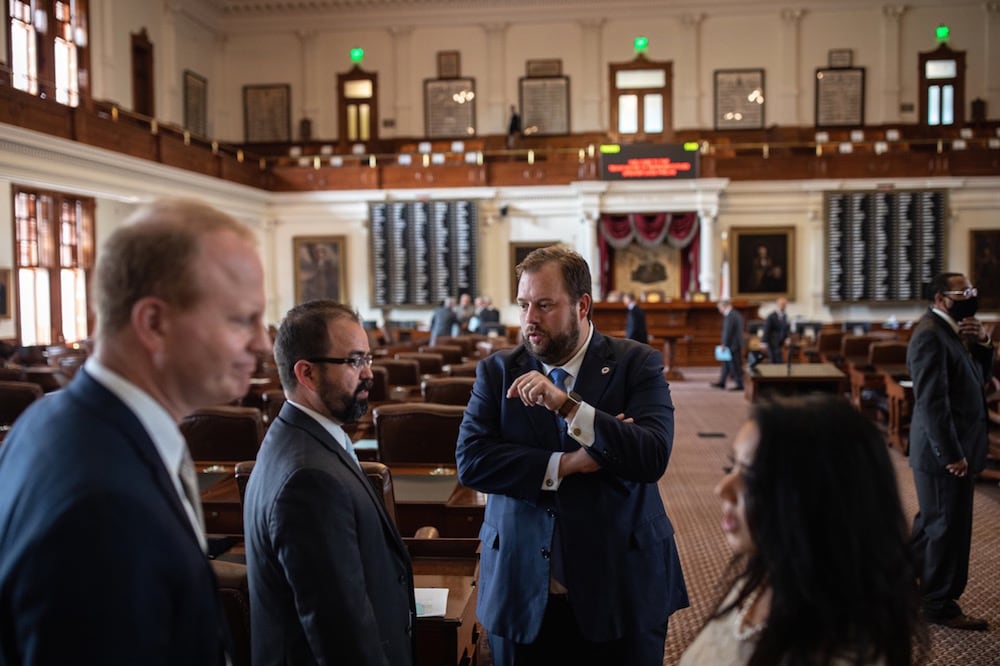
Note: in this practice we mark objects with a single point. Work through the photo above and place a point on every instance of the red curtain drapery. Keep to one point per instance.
(680, 230)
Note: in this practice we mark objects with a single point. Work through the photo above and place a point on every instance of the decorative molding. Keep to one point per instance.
(894, 11)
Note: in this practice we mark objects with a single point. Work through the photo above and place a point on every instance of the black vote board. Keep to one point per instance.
(882, 246)
(423, 251)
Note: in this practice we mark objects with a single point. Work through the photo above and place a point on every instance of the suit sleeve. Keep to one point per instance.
(324, 569)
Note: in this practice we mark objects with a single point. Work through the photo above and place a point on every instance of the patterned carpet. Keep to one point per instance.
(695, 468)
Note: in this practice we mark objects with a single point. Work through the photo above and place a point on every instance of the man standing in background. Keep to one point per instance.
(776, 330)
(635, 320)
(732, 339)
(950, 358)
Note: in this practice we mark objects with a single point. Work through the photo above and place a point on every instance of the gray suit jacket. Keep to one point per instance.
(949, 413)
(330, 577)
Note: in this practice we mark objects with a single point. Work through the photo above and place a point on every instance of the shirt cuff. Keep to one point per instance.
(552, 480)
(581, 428)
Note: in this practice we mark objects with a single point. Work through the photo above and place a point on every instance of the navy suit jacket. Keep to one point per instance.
(621, 563)
(776, 331)
(98, 561)
(732, 332)
(949, 412)
(635, 325)
(330, 577)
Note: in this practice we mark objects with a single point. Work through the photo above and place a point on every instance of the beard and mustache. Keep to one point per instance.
(557, 347)
(344, 408)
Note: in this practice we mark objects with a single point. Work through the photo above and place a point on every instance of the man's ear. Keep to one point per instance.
(584, 304)
(151, 322)
(305, 374)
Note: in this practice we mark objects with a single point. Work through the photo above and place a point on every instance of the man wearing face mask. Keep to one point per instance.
(330, 578)
(950, 358)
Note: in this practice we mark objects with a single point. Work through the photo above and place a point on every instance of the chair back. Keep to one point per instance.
(402, 372)
(226, 433)
(242, 471)
(416, 432)
(380, 384)
(234, 593)
(447, 390)
(449, 353)
(887, 353)
(381, 479)
(429, 363)
(271, 401)
(829, 341)
(12, 375)
(15, 397)
(853, 346)
(467, 369)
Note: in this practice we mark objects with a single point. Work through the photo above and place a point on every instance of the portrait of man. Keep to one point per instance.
(986, 267)
(320, 269)
(764, 261)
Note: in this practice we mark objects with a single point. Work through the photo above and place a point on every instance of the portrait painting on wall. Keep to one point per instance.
(984, 246)
(653, 274)
(320, 268)
(763, 263)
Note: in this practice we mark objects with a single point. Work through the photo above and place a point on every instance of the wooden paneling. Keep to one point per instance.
(120, 136)
(541, 173)
(397, 176)
(307, 179)
(192, 157)
(28, 111)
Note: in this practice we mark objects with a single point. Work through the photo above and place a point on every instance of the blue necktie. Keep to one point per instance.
(558, 569)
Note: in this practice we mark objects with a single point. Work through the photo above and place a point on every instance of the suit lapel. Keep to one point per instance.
(105, 404)
(597, 370)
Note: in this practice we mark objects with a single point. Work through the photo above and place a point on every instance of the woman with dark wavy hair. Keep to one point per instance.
(822, 570)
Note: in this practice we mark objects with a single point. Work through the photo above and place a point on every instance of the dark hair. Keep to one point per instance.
(940, 284)
(303, 334)
(575, 271)
(830, 538)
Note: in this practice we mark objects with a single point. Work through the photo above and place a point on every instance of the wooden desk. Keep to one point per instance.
(868, 378)
(450, 640)
(796, 379)
(46, 376)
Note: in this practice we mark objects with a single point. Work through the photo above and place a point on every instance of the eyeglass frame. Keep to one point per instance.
(356, 361)
(970, 292)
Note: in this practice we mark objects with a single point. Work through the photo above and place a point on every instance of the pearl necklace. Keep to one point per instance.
(741, 629)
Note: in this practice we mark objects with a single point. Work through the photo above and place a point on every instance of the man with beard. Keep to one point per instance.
(569, 433)
(950, 358)
(330, 578)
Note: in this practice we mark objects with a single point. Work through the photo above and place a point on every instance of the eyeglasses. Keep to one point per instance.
(968, 293)
(356, 362)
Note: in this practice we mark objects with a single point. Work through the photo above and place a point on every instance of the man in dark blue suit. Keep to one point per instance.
(569, 433)
(102, 548)
(777, 330)
(635, 320)
(950, 358)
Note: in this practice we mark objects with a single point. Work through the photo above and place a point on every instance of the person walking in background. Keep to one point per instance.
(950, 359)
(102, 544)
(444, 321)
(732, 339)
(822, 572)
(569, 433)
(635, 320)
(513, 127)
(330, 579)
(777, 330)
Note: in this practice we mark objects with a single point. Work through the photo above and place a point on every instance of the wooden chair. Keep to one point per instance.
(234, 593)
(418, 433)
(271, 401)
(447, 390)
(402, 372)
(449, 353)
(15, 397)
(223, 433)
(467, 369)
(429, 363)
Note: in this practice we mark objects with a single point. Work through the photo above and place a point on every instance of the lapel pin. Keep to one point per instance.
(605, 370)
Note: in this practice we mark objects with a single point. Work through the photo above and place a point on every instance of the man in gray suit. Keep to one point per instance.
(950, 358)
(330, 577)
(732, 339)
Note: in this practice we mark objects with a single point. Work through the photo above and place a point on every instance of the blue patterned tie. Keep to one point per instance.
(558, 569)
(558, 377)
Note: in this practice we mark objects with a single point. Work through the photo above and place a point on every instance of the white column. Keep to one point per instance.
(593, 114)
(991, 50)
(815, 241)
(405, 117)
(709, 267)
(169, 108)
(892, 16)
(495, 109)
(788, 71)
(308, 102)
(223, 122)
(688, 94)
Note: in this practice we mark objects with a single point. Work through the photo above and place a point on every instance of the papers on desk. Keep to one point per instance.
(431, 601)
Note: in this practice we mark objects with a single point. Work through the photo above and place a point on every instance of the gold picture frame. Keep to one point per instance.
(320, 268)
(763, 262)
(518, 251)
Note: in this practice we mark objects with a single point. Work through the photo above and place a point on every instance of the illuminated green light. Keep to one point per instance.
(357, 55)
(610, 148)
(942, 32)
(640, 44)
(691, 146)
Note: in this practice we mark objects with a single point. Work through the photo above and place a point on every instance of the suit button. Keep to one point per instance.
(545, 553)
(550, 512)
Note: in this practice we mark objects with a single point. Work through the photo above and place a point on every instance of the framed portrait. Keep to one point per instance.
(518, 251)
(984, 246)
(320, 268)
(195, 103)
(449, 64)
(739, 99)
(763, 262)
(450, 108)
(6, 293)
(840, 97)
(267, 113)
